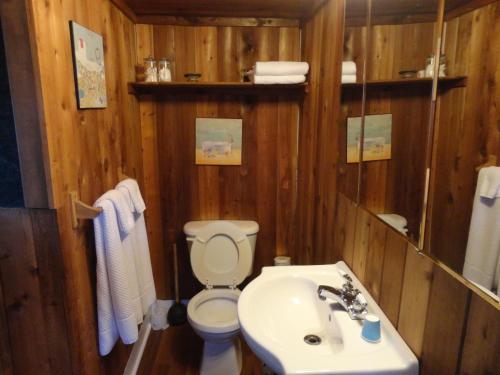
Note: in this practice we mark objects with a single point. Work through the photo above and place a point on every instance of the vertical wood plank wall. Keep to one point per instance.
(86, 150)
(32, 309)
(449, 328)
(318, 137)
(468, 130)
(263, 188)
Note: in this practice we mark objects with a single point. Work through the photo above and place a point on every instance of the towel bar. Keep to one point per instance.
(80, 210)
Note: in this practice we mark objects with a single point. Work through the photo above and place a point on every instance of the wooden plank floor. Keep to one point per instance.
(177, 350)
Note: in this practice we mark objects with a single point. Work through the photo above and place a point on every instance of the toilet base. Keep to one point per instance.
(221, 358)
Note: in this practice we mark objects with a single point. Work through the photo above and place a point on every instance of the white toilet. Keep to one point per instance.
(221, 258)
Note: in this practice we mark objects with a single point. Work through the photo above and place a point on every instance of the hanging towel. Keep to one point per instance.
(272, 80)
(116, 310)
(281, 68)
(348, 78)
(348, 68)
(483, 247)
(139, 242)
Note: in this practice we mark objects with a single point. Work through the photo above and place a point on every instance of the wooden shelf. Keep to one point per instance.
(242, 88)
(444, 83)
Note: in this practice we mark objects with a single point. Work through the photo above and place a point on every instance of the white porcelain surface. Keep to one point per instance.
(214, 311)
(281, 306)
(221, 254)
(221, 251)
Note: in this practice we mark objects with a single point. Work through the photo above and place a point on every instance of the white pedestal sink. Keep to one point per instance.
(281, 307)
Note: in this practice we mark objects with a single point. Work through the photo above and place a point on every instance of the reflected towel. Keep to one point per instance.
(348, 78)
(348, 67)
(272, 80)
(281, 68)
(482, 263)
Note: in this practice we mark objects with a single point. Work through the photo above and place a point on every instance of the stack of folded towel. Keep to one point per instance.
(348, 72)
(280, 72)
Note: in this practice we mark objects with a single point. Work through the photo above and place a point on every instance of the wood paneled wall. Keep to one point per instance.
(263, 188)
(451, 329)
(467, 130)
(86, 150)
(32, 309)
(319, 137)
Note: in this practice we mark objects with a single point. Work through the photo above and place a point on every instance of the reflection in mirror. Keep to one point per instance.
(464, 205)
(352, 94)
(398, 105)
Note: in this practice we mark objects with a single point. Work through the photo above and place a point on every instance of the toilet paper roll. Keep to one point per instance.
(282, 261)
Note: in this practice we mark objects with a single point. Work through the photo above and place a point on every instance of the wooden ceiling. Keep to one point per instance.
(406, 11)
(296, 9)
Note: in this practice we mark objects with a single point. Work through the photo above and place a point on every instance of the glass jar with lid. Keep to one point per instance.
(164, 73)
(150, 69)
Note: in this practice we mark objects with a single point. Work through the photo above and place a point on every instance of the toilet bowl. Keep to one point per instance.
(221, 254)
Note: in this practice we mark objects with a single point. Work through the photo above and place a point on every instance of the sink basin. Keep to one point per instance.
(293, 332)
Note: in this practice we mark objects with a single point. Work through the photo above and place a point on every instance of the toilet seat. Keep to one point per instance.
(221, 255)
(214, 310)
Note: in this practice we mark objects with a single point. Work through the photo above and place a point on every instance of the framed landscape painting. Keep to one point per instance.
(218, 141)
(377, 138)
(88, 61)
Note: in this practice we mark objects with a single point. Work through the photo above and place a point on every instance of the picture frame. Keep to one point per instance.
(89, 68)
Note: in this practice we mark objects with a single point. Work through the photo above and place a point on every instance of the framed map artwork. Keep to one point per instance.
(88, 62)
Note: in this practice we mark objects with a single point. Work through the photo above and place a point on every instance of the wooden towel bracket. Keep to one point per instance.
(80, 210)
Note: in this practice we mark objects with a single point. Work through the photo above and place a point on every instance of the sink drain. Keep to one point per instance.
(312, 339)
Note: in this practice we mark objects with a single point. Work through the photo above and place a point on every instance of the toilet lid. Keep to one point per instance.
(221, 255)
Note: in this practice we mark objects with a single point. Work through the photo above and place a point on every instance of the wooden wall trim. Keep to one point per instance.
(125, 9)
(217, 21)
(467, 7)
(27, 102)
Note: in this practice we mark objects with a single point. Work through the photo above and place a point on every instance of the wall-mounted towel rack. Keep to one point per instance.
(80, 210)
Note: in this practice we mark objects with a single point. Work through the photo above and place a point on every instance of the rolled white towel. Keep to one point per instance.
(281, 68)
(348, 78)
(272, 80)
(349, 67)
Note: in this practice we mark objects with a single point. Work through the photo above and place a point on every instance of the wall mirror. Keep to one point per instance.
(353, 65)
(463, 229)
(401, 39)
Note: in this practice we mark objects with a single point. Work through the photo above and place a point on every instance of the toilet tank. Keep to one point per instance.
(250, 228)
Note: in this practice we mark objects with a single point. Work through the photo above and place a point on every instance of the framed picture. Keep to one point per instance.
(88, 62)
(377, 138)
(218, 141)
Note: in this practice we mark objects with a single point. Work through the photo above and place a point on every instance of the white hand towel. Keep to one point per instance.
(116, 312)
(139, 242)
(490, 185)
(348, 78)
(281, 68)
(348, 67)
(483, 246)
(272, 80)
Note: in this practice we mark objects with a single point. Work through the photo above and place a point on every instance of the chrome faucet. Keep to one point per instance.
(348, 297)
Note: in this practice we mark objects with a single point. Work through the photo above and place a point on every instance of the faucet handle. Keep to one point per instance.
(360, 302)
(345, 275)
